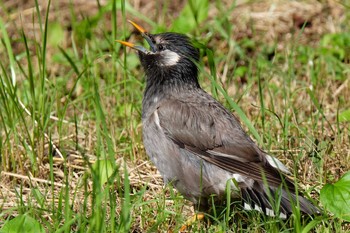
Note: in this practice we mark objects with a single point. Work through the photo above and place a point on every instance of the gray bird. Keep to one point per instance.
(196, 143)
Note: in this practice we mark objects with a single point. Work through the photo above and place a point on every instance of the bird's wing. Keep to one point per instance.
(208, 130)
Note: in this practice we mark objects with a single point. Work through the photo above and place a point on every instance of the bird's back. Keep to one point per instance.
(195, 142)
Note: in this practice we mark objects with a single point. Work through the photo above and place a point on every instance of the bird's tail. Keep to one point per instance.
(274, 201)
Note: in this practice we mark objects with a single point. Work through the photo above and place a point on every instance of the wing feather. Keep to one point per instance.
(208, 130)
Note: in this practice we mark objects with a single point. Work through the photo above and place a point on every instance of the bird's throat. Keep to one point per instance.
(167, 85)
(171, 81)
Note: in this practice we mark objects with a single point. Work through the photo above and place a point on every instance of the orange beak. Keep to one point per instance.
(144, 34)
(131, 45)
(138, 27)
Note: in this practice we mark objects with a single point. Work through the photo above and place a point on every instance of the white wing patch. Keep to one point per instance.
(269, 212)
(238, 158)
(156, 118)
(169, 58)
(277, 164)
(242, 179)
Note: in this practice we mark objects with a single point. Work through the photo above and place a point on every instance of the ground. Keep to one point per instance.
(70, 101)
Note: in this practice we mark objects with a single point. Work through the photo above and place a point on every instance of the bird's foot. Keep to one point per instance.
(191, 220)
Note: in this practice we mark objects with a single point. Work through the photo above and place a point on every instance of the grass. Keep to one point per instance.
(72, 158)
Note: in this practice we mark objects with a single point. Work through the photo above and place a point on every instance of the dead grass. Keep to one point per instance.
(281, 20)
(266, 22)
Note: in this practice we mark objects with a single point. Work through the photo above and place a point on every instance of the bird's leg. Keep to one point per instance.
(191, 220)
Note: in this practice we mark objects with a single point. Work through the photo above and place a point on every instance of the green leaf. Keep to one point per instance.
(22, 223)
(344, 116)
(133, 61)
(336, 44)
(194, 12)
(103, 169)
(199, 9)
(55, 34)
(336, 197)
(241, 71)
(39, 197)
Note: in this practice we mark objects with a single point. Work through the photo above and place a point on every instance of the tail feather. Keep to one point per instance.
(274, 201)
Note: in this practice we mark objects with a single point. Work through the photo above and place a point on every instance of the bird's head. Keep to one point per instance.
(170, 54)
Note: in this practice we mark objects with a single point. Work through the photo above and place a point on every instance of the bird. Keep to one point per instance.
(197, 144)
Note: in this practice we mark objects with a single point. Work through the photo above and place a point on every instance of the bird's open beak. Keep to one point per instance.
(145, 35)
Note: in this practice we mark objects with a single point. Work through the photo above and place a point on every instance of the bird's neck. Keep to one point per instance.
(167, 83)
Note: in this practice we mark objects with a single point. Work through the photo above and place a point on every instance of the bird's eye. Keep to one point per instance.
(160, 47)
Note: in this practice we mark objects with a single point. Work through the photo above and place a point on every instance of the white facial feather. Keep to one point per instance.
(169, 58)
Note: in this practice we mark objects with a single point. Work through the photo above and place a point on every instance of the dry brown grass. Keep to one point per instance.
(266, 22)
